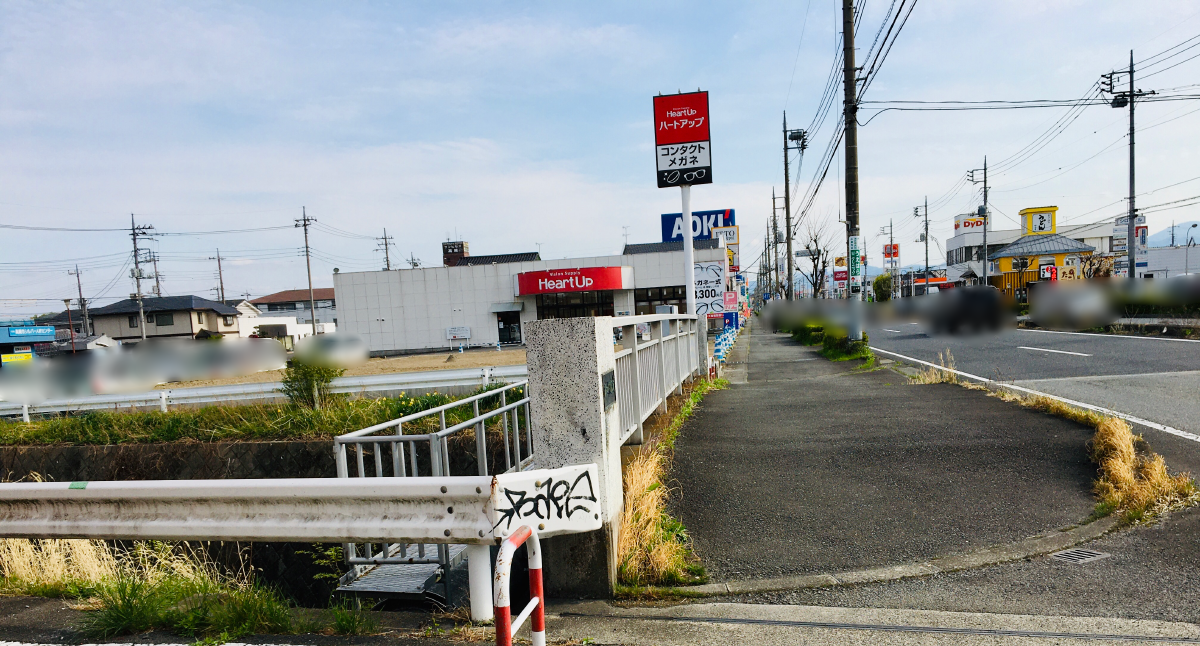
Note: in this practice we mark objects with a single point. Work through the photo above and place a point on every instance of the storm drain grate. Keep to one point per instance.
(1079, 555)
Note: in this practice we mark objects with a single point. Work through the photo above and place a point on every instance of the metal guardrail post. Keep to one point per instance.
(480, 442)
(506, 626)
(629, 340)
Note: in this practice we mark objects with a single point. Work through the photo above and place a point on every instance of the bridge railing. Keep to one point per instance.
(659, 352)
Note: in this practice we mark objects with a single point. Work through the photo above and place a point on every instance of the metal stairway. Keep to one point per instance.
(409, 581)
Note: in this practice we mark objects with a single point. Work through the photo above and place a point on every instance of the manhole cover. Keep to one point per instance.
(1079, 555)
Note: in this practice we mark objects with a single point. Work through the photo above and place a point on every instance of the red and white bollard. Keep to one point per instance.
(506, 627)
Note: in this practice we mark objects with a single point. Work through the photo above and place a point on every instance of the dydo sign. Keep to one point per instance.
(682, 147)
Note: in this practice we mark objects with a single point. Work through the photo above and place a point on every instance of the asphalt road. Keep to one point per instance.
(811, 467)
(1156, 379)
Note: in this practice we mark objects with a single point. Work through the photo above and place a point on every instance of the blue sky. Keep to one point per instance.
(513, 124)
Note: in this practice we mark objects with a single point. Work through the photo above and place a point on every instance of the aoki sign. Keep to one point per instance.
(582, 279)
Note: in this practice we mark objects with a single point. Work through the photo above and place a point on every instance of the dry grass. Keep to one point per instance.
(56, 568)
(654, 547)
(1132, 481)
(941, 375)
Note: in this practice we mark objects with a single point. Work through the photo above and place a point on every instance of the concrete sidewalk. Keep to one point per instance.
(811, 467)
(718, 624)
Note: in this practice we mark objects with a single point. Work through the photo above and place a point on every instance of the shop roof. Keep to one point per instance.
(498, 259)
(1041, 244)
(166, 304)
(295, 296)
(662, 247)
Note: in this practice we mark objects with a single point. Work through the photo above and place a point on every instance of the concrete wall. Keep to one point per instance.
(410, 309)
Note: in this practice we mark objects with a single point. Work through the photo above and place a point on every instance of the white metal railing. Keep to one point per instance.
(163, 399)
(386, 450)
(652, 364)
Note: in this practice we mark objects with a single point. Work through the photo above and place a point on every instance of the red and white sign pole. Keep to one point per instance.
(683, 157)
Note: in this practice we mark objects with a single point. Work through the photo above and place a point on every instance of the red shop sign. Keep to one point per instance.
(582, 279)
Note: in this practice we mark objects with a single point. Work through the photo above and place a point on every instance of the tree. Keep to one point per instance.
(1096, 266)
(818, 241)
(883, 287)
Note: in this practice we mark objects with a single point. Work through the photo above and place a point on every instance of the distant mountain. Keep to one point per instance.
(1163, 238)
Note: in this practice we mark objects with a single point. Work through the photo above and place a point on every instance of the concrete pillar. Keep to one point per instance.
(570, 361)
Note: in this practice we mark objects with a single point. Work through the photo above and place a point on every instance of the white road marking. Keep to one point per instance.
(1078, 354)
(887, 330)
(1029, 391)
(1118, 336)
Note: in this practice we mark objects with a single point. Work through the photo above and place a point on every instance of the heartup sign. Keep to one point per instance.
(682, 145)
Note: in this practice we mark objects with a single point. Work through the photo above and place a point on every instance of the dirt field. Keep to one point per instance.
(388, 365)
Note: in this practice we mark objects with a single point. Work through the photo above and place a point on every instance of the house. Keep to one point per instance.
(244, 306)
(295, 302)
(167, 316)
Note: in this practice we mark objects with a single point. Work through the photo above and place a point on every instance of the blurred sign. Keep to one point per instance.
(968, 222)
(458, 333)
(856, 260)
(703, 223)
(1048, 272)
(681, 139)
(15, 358)
(840, 261)
(891, 250)
(840, 275)
(22, 349)
(731, 300)
(729, 233)
(1039, 220)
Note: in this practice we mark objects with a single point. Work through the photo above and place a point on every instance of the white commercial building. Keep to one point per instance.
(485, 300)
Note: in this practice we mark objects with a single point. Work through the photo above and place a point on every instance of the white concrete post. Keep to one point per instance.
(162, 400)
(629, 341)
(569, 361)
(479, 577)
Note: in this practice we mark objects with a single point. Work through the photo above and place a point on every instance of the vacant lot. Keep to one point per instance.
(387, 365)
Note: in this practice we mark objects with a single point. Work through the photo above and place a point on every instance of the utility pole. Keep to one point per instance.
(851, 135)
(220, 277)
(1120, 100)
(890, 230)
(70, 324)
(986, 213)
(413, 261)
(157, 280)
(925, 239)
(136, 232)
(304, 221)
(385, 243)
(775, 239)
(800, 139)
(86, 326)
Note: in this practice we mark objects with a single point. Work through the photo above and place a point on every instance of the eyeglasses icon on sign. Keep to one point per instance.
(694, 175)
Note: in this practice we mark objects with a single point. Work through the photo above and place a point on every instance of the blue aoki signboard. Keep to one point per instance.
(33, 334)
(703, 222)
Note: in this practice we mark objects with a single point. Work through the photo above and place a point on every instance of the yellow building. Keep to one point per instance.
(1039, 254)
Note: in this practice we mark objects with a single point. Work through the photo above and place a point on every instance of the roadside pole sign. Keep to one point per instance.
(681, 139)
(731, 301)
(855, 260)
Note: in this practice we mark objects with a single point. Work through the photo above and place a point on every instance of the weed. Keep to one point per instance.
(350, 619)
(938, 375)
(654, 546)
(1135, 482)
(307, 384)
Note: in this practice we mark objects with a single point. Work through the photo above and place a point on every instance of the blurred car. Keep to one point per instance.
(337, 350)
(967, 309)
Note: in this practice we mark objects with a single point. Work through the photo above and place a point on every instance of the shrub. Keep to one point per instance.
(837, 346)
(883, 287)
(307, 384)
(809, 334)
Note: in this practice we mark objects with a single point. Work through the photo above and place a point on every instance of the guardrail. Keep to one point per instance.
(478, 511)
(165, 398)
(395, 453)
(652, 364)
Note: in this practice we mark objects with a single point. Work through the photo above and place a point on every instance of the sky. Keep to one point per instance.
(528, 127)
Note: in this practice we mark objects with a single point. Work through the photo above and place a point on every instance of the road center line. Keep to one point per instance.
(1078, 354)
(1029, 391)
(887, 330)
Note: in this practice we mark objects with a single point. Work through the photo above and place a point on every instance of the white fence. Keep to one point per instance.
(652, 364)
(163, 399)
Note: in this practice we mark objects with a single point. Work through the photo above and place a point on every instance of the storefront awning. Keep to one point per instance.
(508, 307)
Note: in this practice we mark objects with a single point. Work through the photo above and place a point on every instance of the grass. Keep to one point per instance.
(938, 375)
(159, 586)
(255, 422)
(653, 546)
(1132, 480)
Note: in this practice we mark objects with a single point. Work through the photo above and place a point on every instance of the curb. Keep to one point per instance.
(1035, 546)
